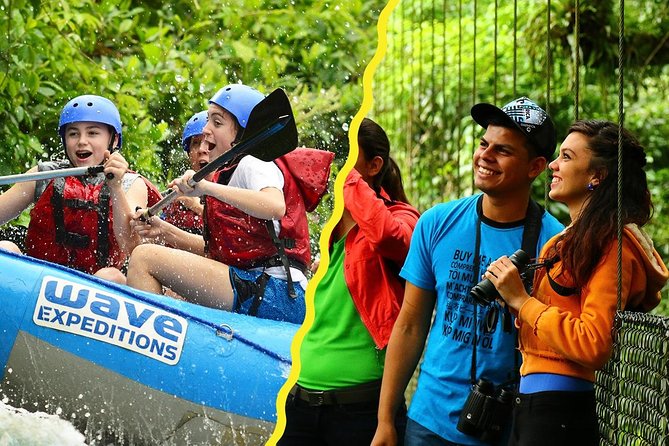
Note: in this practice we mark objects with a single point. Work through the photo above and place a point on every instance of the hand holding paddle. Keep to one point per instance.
(115, 166)
(68, 172)
(149, 230)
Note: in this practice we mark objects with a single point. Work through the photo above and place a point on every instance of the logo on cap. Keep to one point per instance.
(526, 113)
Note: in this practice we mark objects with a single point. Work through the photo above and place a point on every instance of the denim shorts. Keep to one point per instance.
(258, 294)
(419, 435)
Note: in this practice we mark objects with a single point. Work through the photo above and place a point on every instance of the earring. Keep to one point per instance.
(591, 187)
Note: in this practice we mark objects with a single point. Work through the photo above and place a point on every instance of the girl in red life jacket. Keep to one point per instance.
(184, 213)
(237, 268)
(82, 222)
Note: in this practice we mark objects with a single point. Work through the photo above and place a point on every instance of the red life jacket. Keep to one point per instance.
(153, 193)
(238, 239)
(183, 218)
(72, 224)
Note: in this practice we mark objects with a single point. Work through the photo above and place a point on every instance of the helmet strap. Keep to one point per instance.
(112, 146)
(240, 130)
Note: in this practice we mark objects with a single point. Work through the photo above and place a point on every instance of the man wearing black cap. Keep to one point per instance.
(471, 345)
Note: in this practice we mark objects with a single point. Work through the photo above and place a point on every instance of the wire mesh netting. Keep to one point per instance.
(633, 388)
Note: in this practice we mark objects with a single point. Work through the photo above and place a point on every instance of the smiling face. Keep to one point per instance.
(220, 131)
(86, 142)
(572, 173)
(502, 164)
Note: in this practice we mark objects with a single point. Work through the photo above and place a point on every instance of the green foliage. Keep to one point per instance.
(159, 62)
(443, 60)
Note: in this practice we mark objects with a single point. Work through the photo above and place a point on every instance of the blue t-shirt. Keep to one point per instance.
(441, 259)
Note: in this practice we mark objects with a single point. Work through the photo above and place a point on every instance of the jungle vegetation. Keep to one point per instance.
(159, 62)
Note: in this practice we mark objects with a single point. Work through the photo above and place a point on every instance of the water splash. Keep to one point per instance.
(18, 427)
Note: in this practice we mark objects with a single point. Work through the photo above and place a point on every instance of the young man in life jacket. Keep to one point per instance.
(255, 250)
(83, 222)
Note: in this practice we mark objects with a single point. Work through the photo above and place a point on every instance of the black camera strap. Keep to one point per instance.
(531, 229)
(476, 273)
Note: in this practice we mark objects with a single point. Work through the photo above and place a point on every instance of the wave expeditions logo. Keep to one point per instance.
(87, 311)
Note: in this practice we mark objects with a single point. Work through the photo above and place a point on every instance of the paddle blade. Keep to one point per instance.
(275, 105)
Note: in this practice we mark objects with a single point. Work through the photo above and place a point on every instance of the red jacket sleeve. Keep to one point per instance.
(387, 228)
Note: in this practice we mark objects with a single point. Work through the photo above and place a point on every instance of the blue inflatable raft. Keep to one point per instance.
(143, 368)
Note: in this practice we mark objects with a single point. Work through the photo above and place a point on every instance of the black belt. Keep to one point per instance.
(362, 393)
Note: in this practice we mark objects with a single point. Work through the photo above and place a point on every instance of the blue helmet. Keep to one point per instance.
(93, 109)
(193, 127)
(239, 100)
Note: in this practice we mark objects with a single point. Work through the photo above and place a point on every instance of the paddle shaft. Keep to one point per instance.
(50, 174)
(250, 146)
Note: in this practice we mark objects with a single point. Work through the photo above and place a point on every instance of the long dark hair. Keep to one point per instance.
(373, 141)
(583, 243)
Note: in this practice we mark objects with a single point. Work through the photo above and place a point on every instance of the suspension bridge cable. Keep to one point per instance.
(459, 115)
(548, 81)
(474, 125)
(577, 57)
(617, 322)
(515, 48)
(494, 94)
(445, 159)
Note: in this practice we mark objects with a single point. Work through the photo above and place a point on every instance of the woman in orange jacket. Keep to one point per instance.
(565, 327)
(356, 303)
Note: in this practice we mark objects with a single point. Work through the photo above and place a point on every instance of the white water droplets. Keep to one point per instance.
(20, 427)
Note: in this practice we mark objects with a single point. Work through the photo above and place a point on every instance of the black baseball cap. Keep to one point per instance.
(526, 116)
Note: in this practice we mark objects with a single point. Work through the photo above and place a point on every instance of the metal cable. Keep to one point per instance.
(577, 58)
(621, 124)
(404, 92)
(433, 98)
(548, 57)
(412, 75)
(494, 56)
(419, 53)
(458, 150)
(392, 33)
(617, 321)
(474, 125)
(443, 94)
(548, 81)
(515, 48)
